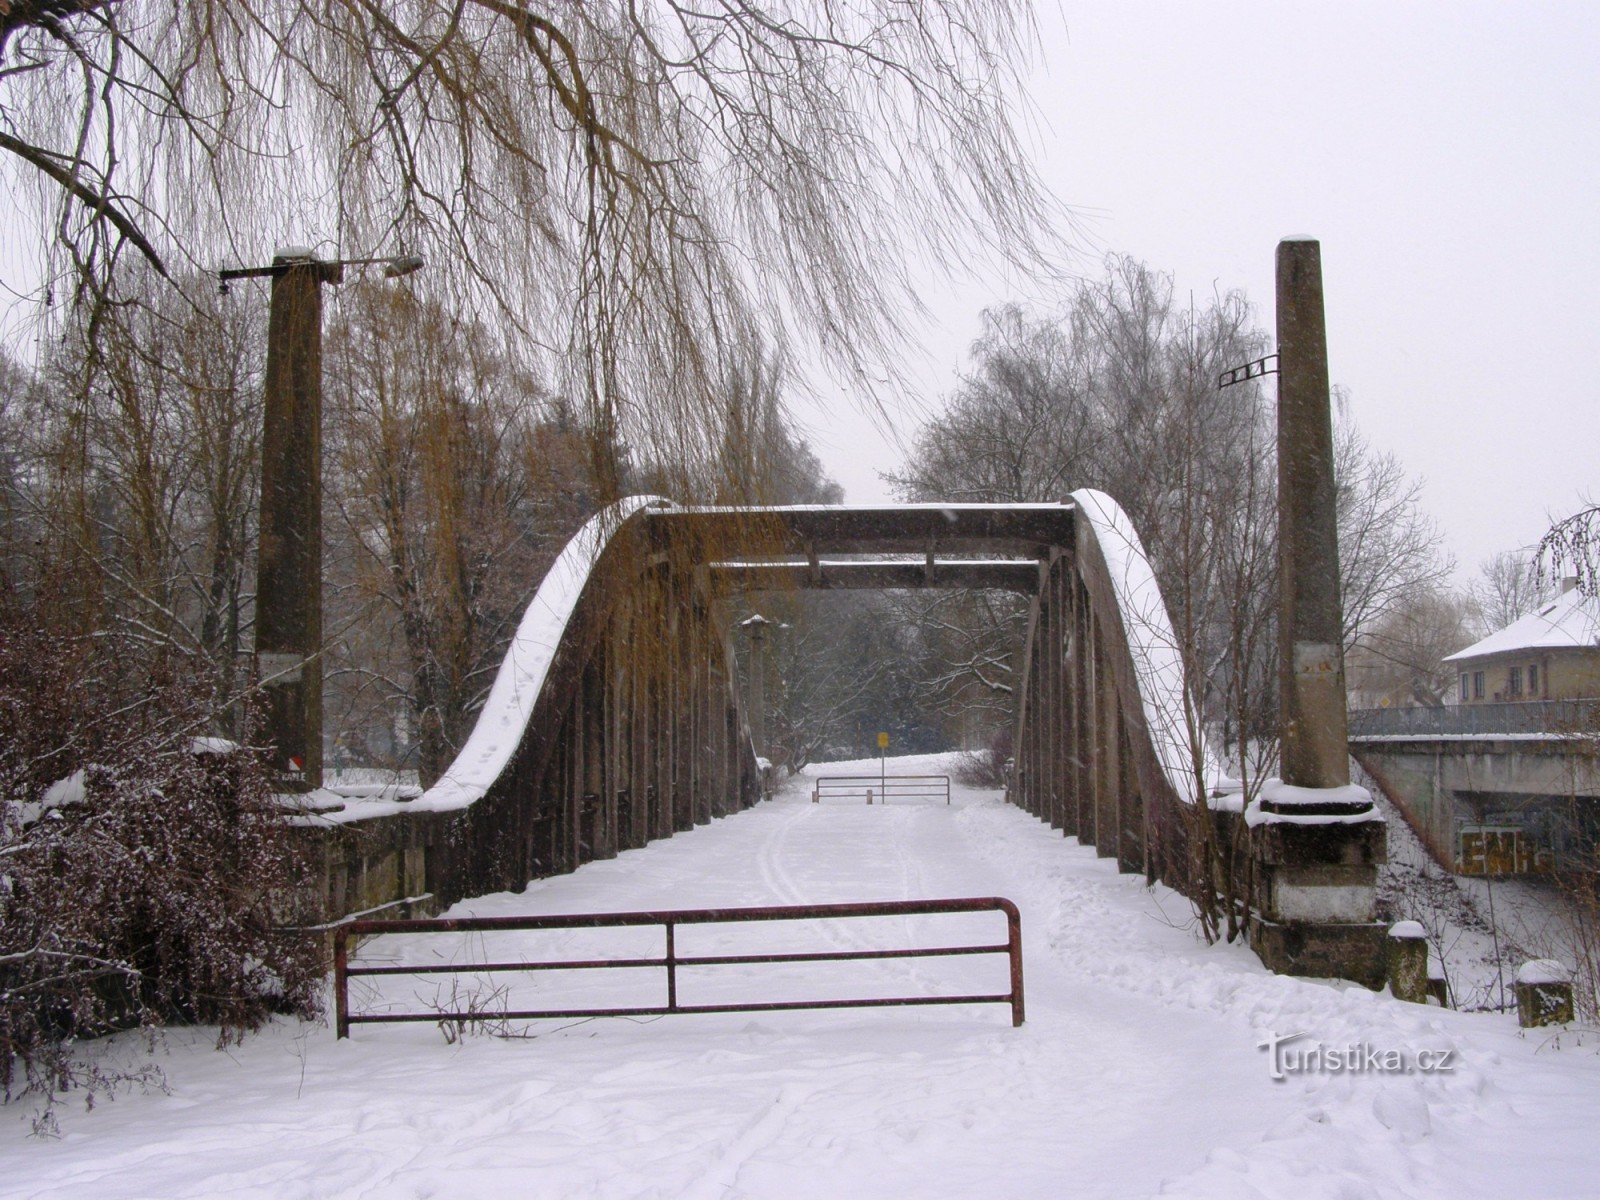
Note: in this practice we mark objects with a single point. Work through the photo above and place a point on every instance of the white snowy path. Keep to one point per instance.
(1137, 1072)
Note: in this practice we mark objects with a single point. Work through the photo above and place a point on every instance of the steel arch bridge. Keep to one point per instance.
(616, 718)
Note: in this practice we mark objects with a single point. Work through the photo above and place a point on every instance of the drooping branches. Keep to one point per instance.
(1572, 547)
(637, 187)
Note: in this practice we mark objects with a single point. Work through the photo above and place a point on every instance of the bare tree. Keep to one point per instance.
(1508, 587)
(636, 186)
(1020, 426)
(1400, 660)
(1120, 394)
(1388, 546)
(970, 640)
(135, 448)
(449, 504)
(838, 675)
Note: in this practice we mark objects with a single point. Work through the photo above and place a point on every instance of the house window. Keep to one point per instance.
(1477, 685)
(1533, 679)
(1465, 695)
(1514, 681)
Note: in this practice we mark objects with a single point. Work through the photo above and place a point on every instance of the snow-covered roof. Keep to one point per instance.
(1570, 621)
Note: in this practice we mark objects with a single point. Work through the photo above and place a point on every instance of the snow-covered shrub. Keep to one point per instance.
(140, 869)
(986, 768)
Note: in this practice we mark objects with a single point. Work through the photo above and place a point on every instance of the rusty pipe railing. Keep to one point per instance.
(883, 787)
(671, 961)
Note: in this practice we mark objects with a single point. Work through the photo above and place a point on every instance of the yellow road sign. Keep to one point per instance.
(883, 741)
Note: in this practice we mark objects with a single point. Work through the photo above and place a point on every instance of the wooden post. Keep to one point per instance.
(341, 983)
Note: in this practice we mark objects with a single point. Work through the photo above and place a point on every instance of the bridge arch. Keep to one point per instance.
(615, 718)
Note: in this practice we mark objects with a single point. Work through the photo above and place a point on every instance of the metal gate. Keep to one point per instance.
(671, 961)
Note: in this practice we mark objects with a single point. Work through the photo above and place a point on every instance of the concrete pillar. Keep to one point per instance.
(1316, 840)
(1047, 663)
(1070, 701)
(1315, 750)
(638, 728)
(1052, 727)
(700, 665)
(1036, 668)
(1131, 854)
(289, 564)
(1026, 770)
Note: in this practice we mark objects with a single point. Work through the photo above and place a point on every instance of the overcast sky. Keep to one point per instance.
(1446, 154)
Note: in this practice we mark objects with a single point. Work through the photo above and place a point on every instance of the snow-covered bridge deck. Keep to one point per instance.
(1137, 1072)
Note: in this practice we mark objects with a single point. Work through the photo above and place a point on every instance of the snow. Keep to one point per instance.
(926, 505)
(1407, 930)
(1139, 1071)
(882, 560)
(1538, 972)
(1157, 663)
(1570, 620)
(1291, 795)
(376, 791)
(495, 737)
(1286, 797)
(1478, 927)
(65, 792)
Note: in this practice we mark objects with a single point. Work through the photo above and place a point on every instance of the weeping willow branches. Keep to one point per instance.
(640, 190)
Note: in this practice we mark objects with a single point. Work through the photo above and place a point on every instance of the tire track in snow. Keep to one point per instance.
(720, 1180)
(769, 864)
(901, 826)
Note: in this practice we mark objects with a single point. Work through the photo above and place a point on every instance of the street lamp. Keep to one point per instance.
(289, 562)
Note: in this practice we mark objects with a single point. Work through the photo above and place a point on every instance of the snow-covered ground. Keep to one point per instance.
(1479, 929)
(1139, 1070)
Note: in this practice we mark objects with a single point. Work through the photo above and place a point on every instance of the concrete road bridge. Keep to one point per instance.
(617, 719)
(1492, 789)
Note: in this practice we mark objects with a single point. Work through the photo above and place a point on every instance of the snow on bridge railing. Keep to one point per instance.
(505, 714)
(1157, 661)
(1170, 714)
